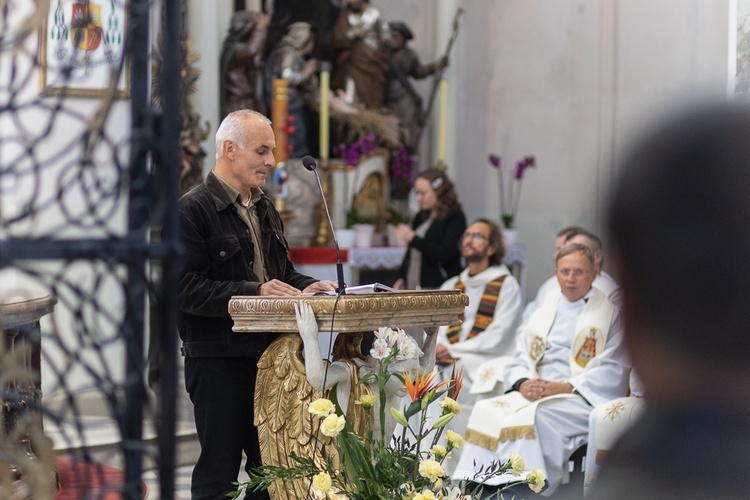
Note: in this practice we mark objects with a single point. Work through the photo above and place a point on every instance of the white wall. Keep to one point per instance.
(569, 82)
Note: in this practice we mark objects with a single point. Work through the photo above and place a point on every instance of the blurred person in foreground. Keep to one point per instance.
(679, 227)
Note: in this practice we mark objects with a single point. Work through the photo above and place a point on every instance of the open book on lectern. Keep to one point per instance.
(362, 289)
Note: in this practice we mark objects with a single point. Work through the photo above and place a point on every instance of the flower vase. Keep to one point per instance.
(346, 237)
(510, 236)
(364, 235)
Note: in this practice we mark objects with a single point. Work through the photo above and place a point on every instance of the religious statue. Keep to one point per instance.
(239, 66)
(401, 96)
(360, 63)
(369, 202)
(288, 62)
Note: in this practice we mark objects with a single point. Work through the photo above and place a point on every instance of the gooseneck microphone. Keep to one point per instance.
(309, 163)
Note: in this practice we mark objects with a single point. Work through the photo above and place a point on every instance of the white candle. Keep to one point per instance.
(443, 120)
(325, 85)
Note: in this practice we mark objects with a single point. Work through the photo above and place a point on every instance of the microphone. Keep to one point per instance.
(309, 163)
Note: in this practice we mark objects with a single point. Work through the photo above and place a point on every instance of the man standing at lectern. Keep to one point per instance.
(234, 245)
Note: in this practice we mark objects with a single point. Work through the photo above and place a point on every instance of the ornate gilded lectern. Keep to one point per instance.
(282, 392)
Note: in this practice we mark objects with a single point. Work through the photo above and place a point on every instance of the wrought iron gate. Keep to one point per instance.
(85, 184)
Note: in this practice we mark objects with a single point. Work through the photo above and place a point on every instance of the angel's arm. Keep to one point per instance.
(314, 365)
(427, 361)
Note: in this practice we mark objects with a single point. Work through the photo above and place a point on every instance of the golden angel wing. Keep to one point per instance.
(282, 396)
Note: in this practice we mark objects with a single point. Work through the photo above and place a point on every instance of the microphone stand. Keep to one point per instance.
(339, 266)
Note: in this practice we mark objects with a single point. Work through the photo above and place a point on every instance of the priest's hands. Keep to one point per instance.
(442, 355)
(538, 388)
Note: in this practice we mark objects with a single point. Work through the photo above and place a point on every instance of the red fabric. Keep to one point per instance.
(316, 255)
(78, 479)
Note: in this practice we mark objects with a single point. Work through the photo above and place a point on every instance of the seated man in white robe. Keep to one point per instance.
(608, 422)
(489, 321)
(551, 282)
(603, 281)
(569, 357)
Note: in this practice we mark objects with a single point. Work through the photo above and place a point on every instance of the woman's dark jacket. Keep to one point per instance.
(441, 257)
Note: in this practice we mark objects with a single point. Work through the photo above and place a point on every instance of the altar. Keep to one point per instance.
(320, 262)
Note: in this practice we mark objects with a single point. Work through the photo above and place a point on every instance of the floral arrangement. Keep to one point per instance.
(401, 163)
(353, 152)
(509, 200)
(378, 466)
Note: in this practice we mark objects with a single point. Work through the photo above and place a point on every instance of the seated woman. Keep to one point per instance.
(433, 255)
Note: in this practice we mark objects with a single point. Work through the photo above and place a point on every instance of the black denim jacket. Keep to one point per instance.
(218, 264)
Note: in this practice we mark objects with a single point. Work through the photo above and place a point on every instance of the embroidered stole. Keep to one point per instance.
(591, 330)
(485, 311)
(511, 416)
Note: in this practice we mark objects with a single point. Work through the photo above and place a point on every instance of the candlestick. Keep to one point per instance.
(443, 120)
(325, 85)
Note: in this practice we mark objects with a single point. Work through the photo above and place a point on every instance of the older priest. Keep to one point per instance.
(569, 356)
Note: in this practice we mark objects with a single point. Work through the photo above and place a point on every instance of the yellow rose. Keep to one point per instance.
(366, 400)
(322, 482)
(516, 463)
(455, 439)
(535, 479)
(425, 495)
(451, 405)
(321, 407)
(430, 469)
(438, 451)
(332, 425)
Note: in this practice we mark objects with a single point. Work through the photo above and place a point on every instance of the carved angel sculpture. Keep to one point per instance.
(340, 373)
(283, 394)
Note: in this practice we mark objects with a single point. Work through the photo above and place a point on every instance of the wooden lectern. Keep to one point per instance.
(282, 391)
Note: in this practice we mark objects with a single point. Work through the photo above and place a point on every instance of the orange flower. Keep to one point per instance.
(421, 384)
(458, 382)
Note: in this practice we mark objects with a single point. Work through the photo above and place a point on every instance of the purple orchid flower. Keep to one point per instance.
(494, 160)
(523, 164)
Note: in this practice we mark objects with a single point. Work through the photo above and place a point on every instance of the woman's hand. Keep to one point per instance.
(404, 232)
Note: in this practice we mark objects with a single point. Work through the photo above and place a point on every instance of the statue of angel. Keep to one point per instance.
(340, 376)
(287, 384)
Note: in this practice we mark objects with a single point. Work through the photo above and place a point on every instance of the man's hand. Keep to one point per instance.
(311, 66)
(552, 388)
(442, 355)
(321, 286)
(276, 287)
(260, 19)
(538, 388)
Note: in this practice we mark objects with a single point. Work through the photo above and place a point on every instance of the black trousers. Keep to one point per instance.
(222, 391)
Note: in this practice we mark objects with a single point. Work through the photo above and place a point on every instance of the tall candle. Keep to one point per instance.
(443, 120)
(325, 85)
(280, 117)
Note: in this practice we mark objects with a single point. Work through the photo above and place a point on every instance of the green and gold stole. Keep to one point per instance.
(485, 312)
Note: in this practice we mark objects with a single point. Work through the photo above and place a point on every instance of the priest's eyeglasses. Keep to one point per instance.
(474, 236)
(577, 273)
